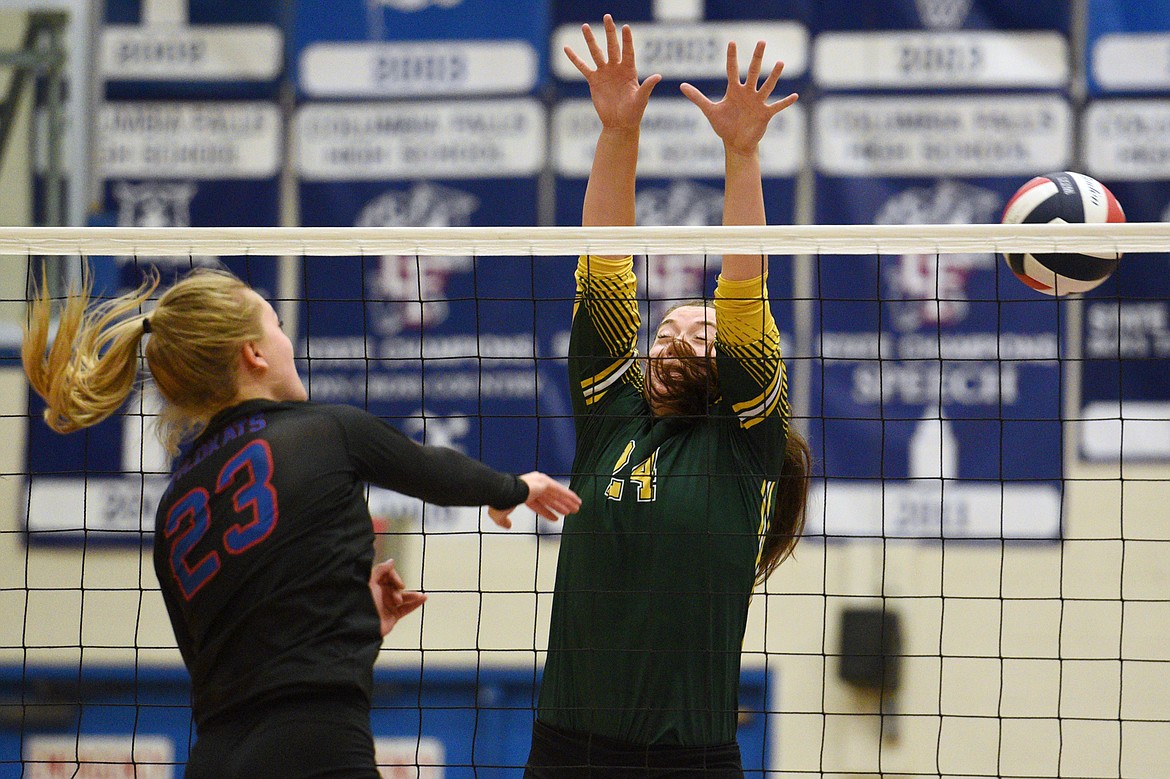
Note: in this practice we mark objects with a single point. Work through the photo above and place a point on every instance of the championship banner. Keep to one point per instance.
(418, 48)
(191, 49)
(1125, 377)
(941, 44)
(460, 351)
(680, 182)
(162, 165)
(936, 403)
(1125, 392)
(1128, 47)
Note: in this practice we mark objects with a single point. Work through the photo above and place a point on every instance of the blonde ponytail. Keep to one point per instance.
(91, 367)
(89, 370)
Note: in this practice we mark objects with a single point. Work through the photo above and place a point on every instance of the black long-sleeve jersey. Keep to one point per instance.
(263, 546)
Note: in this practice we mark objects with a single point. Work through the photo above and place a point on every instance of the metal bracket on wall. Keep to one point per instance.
(41, 55)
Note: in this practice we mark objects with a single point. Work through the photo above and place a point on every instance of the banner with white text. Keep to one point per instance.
(161, 164)
(937, 397)
(459, 351)
(410, 49)
(191, 49)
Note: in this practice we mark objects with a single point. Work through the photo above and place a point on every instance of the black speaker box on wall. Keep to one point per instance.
(871, 646)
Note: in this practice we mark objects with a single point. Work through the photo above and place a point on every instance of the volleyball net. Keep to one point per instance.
(982, 589)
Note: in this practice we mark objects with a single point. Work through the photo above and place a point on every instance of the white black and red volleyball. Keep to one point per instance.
(1064, 197)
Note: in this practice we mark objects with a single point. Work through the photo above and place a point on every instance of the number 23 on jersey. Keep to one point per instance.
(189, 519)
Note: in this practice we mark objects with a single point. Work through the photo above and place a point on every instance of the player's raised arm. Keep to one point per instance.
(602, 349)
(740, 120)
(620, 100)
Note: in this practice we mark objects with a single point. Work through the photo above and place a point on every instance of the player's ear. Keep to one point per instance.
(251, 358)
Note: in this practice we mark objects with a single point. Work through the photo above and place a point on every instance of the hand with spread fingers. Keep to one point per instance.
(613, 83)
(742, 116)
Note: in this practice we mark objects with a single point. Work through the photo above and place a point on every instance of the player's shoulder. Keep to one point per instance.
(305, 417)
(621, 403)
(292, 409)
(334, 414)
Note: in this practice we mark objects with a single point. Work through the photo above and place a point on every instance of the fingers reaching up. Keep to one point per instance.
(742, 116)
(617, 96)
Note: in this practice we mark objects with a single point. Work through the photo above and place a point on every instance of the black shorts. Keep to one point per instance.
(562, 754)
(327, 736)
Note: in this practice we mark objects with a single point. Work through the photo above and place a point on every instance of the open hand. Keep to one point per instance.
(546, 496)
(742, 116)
(613, 84)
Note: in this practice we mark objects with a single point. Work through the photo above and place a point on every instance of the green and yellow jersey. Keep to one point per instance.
(657, 568)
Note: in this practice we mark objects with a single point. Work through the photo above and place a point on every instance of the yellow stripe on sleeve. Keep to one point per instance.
(608, 288)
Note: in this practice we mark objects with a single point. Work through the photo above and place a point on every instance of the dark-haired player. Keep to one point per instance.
(692, 485)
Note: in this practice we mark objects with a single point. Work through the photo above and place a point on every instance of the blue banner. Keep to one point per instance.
(1125, 389)
(192, 49)
(418, 48)
(162, 164)
(935, 399)
(462, 351)
(941, 15)
(1128, 47)
(459, 351)
(936, 403)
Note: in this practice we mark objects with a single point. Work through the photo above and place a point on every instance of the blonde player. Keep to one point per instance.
(263, 541)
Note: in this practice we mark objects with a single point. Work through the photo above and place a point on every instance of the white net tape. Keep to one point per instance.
(544, 241)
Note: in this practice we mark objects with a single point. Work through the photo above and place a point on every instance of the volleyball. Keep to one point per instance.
(1064, 197)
